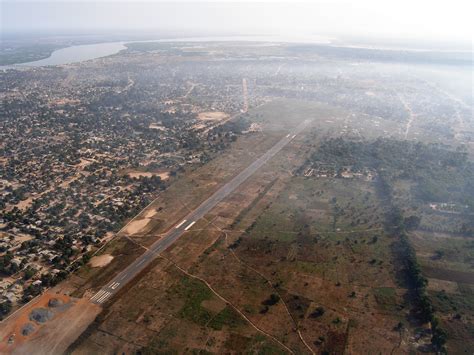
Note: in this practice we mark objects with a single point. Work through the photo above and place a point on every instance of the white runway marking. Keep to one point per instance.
(190, 225)
(287, 135)
(97, 295)
(103, 297)
(141, 262)
(182, 222)
(294, 135)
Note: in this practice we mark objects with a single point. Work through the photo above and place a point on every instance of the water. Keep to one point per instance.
(79, 53)
(85, 52)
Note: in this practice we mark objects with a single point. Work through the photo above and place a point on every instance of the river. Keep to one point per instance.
(80, 53)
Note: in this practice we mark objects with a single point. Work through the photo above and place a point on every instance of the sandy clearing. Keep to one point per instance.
(150, 213)
(101, 260)
(212, 116)
(199, 126)
(214, 305)
(439, 285)
(83, 163)
(157, 126)
(64, 101)
(136, 174)
(164, 176)
(25, 204)
(136, 226)
(21, 237)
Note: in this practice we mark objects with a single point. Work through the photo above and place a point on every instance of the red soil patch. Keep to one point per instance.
(53, 336)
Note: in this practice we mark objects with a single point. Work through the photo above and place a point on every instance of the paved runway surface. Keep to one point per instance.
(183, 226)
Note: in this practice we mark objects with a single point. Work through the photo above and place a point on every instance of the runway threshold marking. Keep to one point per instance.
(103, 297)
(182, 222)
(190, 225)
(97, 295)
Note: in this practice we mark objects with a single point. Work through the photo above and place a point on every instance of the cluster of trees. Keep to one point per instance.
(270, 301)
(6, 266)
(441, 174)
(220, 137)
(318, 312)
(5, 308)
(47, 280)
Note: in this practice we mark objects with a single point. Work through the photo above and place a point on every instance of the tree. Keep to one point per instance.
(273, 299)
(5, 308)
(439, 337)
(318, 312)
(412, 222)
(29, 273)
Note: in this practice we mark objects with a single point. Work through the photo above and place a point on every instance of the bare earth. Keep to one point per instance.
(68, 322)
(137, 174)
(101, 260)
(212, 116)
(136, 226)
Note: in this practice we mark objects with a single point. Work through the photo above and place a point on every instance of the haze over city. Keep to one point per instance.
(432, 21)
(236, 177)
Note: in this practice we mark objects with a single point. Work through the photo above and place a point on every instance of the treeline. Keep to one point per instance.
(417, 283)
(398, 225)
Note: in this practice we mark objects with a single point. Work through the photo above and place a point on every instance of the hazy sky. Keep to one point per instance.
(430, 19)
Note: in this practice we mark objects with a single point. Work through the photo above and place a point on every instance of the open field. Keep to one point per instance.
(187, 251)
(101, 260)
(348, 272)
(443, 242)
(447, 262)
(246, 279)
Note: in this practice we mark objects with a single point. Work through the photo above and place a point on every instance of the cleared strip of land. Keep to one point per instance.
(169, 238)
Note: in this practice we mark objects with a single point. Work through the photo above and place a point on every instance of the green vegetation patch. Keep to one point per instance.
(449, 302)
(227, 317)
(237, 343)
(386, 297)
(194, 293)
(263, 345)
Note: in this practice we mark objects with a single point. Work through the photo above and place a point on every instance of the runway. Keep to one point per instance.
(187, 223)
